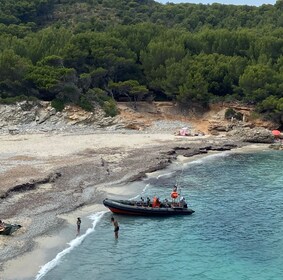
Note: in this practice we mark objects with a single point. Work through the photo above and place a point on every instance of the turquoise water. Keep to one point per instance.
(235, 233)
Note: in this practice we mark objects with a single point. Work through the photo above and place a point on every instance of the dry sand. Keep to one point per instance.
(56, 177)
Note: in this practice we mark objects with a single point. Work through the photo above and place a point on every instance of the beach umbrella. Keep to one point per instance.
(276, 132)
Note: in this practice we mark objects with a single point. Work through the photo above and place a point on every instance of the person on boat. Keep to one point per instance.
(142, 201)
(116, 227)
(148, 201)
(174, 193)
(175, 188)
(79, 221)
(183, 202)
(156, 202)
(166, 203)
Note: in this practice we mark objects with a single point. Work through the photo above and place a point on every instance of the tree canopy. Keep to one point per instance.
(82, 51)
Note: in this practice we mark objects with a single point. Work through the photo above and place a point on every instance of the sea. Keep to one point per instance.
(236, 232)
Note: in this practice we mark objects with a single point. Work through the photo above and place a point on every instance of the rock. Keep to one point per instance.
(252, 135)
(13, 130)
(42, 117)
(214, 132)
(230, 145)
(276, 146)
(219, 126)
(133, 126)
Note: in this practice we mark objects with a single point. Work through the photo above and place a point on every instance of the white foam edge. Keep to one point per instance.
(72, 244)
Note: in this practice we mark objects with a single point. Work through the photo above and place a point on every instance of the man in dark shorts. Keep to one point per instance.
(79, 226)
(116, 227)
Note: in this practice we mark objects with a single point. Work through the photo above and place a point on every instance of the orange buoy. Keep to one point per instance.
(174, 195)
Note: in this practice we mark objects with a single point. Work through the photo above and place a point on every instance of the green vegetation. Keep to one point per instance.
(98, 51)
(231, 113)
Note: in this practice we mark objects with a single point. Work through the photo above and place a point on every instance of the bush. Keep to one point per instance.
(110, 108)
(85, 104)
(14, 100)
(58, 105)
(231, 113)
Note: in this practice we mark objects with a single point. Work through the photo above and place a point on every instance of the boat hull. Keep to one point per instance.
(128, 208)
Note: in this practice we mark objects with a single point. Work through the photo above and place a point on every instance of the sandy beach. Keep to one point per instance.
(47, 180)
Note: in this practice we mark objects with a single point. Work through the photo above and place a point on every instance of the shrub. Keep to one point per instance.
(13, 100)
(85, 104)
(110, 108)
(231, 113)
(58, 105)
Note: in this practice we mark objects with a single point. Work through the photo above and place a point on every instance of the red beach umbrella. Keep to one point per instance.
(276, 132)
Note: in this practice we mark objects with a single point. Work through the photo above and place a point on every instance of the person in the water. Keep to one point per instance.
(116, 227)
(79, 221)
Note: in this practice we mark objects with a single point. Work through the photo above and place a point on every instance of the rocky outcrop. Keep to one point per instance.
(192, 151)
(219, 126)
(252, 135)
(51, 178)
(39, 115)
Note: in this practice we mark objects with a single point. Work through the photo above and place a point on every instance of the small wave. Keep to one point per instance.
(208, 158)
(73, 244)
(165, 174)
(144, 190)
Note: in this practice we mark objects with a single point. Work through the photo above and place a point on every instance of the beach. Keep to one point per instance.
(50, 179)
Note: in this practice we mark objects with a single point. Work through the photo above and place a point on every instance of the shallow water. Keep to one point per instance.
(235, 233)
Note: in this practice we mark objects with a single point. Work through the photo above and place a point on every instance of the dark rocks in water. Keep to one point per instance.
(220, 148)
(230, 145)
(191, 153)
(181, 148)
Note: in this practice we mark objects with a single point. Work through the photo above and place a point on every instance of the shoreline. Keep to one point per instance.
(48, 242)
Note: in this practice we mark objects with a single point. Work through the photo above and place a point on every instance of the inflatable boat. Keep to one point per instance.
(131, 207)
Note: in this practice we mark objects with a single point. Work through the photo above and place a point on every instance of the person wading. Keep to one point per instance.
(79, 221)
(116, 227)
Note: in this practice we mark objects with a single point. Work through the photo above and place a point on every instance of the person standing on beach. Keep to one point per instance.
(116, 227)
(79, 221)
(2, 225)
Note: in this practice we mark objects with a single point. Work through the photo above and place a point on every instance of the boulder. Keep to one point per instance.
(13, 130)
(216, 126)
(252, 135)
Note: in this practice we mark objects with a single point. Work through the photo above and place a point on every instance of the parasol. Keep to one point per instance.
(276, 132)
